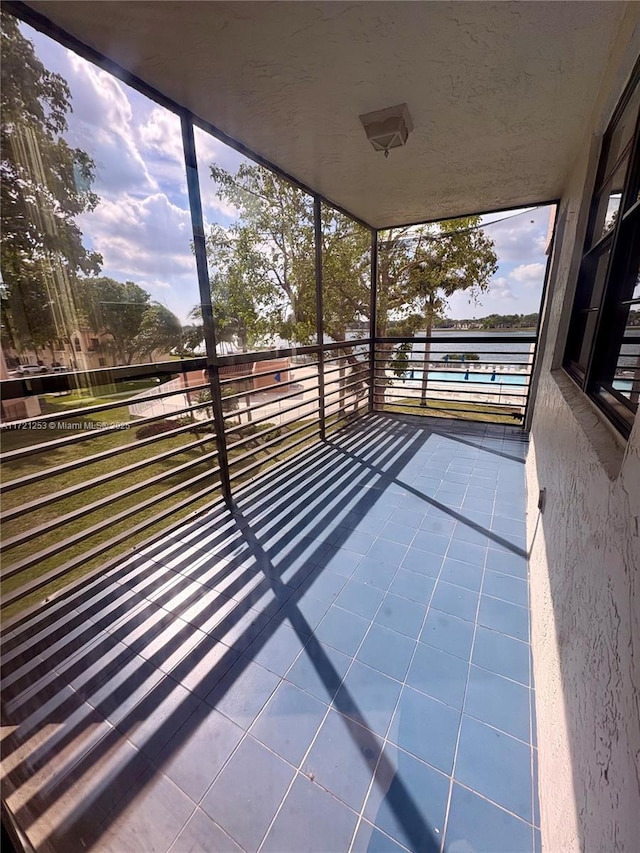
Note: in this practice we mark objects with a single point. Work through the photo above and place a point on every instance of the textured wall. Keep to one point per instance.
(585, 572)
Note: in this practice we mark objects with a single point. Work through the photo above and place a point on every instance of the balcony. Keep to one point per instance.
(281, 600)
(339, 660)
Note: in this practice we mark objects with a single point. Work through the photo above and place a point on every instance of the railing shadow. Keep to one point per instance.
(288, 556)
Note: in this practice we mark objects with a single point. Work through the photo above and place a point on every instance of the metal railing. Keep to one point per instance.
(477, 377)
(108, 464)
(120, 456)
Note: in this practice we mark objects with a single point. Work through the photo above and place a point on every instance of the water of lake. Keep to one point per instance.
(508, 352)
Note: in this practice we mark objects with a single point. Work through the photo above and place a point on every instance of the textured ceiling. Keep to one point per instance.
(500, 93)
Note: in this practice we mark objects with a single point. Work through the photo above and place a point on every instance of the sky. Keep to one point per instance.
(142, 224)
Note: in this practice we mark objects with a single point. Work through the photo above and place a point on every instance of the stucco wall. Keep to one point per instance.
(585, 564)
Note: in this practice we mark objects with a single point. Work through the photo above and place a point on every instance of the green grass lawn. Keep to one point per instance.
(450, 409)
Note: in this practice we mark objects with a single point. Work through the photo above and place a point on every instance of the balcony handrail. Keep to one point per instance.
(52, 383)
(462, 339)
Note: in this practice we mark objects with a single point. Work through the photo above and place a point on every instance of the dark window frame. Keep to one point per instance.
(608, 271)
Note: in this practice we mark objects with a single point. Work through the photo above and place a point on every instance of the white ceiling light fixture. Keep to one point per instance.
(388, 128)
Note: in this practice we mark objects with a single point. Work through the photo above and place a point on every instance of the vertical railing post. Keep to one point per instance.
(208, 325)
(317, 230)
(543, 312)
(373, 318)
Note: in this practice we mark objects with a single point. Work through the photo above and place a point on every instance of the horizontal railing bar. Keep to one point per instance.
(459, 385)
(453, 364)
(359, 369)
(350, 370)
(8, 515)
(270, 443)
(356, 342)
(419, 361)
(264, 459)
(388, 373)
(262, 355)
(46, 473)
(243, 377)
(345, 389)
(435, 403)
(349, 381)
(52, 383)
(57, 547)
(267, 355)
(345, 358)
(452, 390)
(92, 433)
(100, 407)
(466, 339)
(416, 382)
(249, 438)
(9, 598)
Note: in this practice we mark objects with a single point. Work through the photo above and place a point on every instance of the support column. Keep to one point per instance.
(213, 371)
(317, 227)
(373, 318)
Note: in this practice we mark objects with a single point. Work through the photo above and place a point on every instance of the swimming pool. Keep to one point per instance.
(468, 376)
(484, 378)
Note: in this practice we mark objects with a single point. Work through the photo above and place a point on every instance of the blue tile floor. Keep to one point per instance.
(340, 663)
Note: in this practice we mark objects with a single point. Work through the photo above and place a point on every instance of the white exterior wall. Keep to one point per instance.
(585, 561)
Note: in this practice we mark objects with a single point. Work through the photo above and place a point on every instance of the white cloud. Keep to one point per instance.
(104, 124)
(148, 237)
(530, 275)
(500, 288)
(519, 238)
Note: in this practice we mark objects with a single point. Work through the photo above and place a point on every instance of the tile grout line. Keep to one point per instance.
(330, 706)
(404, 684)
(464, 698)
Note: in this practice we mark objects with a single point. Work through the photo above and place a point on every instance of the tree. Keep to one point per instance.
(241, 289)
(45, 185)
(159, 332)
(420, 268)
(264, 266)
(109, 306)
(137, 326)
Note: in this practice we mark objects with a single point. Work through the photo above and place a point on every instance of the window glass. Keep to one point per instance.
(346, 276)
(587, 306)
(260, 249)
(96, 259)
(603, 350)
(620, 135)
(608, 203)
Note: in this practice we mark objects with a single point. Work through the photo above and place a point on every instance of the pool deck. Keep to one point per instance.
(340, 663)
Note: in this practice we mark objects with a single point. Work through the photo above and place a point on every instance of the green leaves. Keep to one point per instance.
(138, 327)
(45, 185)
(420, 267)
